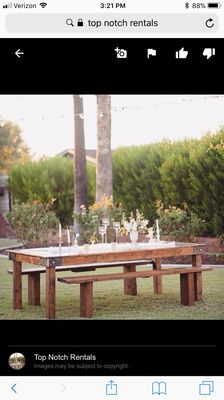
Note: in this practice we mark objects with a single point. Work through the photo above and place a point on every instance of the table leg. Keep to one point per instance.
(17, 285)
(50, 292)
(157, 280)
(34, 289)
(130, 285)
(196, 262)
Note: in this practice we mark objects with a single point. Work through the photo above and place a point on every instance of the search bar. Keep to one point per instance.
(98, 23)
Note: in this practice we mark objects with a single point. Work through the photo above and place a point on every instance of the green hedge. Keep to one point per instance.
(49, 179)
(188, 172)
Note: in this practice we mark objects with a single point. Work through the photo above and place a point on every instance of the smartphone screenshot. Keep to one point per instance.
(111, 200)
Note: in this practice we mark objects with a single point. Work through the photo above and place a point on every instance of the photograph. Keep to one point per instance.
(17, 361)
(111, 207)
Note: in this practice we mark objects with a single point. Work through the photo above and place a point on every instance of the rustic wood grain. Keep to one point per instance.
(17, 285)
(130, 285)
(34, 289)
(196, 263)
(187, 289)
(157, 280)
(81, 260)
(129, 275)
(86, 300)
(50, 293)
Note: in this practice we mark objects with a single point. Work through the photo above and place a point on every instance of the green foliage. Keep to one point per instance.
(32, 222)
(90, 219)
(48, 179)
(207, 180)
(136, 176)
(183, 172)
(12, 148)
(179, 223)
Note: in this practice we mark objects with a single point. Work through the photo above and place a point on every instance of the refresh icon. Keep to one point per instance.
(209, 23)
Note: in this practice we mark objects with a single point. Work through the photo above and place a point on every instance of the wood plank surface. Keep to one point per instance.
(130, 285)
(17, 285)
(157, 280)
(86, 300)
(50, 293)
(34, 289)
(118, 255)
(128, 275)
(187, 289)
(196, 263)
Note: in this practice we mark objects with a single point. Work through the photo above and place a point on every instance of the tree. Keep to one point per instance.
(80, 170)
(12, 148)
(104, 177)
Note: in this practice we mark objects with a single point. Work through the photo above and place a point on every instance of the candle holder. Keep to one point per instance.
(157, 231)
(105, 223)
(117, 226)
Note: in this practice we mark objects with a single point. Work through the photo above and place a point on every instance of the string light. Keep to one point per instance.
(135, 108)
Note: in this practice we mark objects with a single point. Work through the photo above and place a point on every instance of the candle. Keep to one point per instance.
(60, 235)
(157, 231)
(68, 236)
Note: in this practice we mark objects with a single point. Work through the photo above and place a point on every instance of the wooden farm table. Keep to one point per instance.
(95, 254)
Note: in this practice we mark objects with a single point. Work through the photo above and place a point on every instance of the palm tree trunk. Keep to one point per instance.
(80, 170)
(104, 175)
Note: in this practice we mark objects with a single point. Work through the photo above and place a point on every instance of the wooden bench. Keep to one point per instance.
(190, 284)
(34, 274)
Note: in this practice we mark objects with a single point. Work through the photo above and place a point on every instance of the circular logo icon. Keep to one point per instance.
(17, 361)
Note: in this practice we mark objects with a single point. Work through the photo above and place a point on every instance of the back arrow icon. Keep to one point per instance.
(18, 53)
(13, 388)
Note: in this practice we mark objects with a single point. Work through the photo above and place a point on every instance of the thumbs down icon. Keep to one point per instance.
(208, 52)
(182, 53)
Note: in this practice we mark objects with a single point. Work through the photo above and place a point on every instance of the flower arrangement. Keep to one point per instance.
(89, 219)
(135, 222)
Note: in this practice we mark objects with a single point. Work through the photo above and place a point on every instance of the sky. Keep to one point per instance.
(47, 121)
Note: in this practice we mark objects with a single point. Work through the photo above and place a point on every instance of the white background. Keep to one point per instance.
(94, 388)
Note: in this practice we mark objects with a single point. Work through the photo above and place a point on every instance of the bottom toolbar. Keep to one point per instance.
(125, 388)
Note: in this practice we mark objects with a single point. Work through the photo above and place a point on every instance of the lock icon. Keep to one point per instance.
(80, 22)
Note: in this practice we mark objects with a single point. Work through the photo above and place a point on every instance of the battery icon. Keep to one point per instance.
(214, 5)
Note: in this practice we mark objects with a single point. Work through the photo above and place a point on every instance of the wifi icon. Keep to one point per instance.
(43, 5)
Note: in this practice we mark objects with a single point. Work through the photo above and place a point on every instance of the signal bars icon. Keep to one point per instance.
(43, 5)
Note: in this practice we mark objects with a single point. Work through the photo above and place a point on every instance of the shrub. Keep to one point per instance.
(189, 171)
(32, 222)
(46, 179)
(179, 223)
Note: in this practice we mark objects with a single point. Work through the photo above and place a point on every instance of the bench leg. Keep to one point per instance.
(196, 262)
(130, 285)
(157, 280)
(34, 289)
(86, 299)
(187, 289)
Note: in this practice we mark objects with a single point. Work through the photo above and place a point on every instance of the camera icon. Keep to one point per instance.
(121, 53)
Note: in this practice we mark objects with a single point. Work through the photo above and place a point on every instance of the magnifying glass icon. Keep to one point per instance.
(69, 21)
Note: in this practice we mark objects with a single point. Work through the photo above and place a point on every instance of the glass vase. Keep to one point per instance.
(134, 236)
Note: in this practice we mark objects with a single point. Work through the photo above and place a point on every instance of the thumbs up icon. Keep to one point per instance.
(182, 53)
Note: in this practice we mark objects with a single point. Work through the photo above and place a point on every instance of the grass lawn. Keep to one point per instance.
(111, 303)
